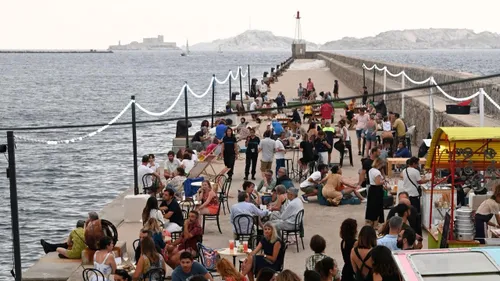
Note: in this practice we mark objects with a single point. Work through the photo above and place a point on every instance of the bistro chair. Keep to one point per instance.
(225, 184)
(155, 274)
(177, 234)
(296, 231)
(244, 226)
(92, 274)
(187, 205)
(215, 217)
(135, 244)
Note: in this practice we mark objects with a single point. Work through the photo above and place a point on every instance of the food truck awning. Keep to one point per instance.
(474, 138)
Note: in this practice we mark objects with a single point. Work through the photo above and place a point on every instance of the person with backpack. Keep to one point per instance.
(362, 263)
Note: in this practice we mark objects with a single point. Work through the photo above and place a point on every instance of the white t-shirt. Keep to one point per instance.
(141, 171)
(489, 206)
(171, 166)
(253, 106)
(279, 145)
(155, 213)
(345, 133)
(386, 126)
(414, 175)
(316, 176)
(155, 168)
(188, 165)
(362, 121)
(373, 173)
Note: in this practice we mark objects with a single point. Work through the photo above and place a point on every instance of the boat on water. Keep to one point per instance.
(183, 54)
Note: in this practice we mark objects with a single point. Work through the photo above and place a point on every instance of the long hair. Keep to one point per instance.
(367, 238)
(324, 266)
(287, 275)
(152, 224)
(151, 204)
(496, 192)
(148, 249)
(349, 229)
(274, 234)
(227, 270)
(383, 263)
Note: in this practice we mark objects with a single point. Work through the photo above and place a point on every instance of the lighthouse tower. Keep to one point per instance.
(298, 45)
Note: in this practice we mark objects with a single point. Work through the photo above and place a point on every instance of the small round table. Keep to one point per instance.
(234, 253)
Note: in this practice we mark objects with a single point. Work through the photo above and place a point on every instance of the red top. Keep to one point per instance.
(326, 111)
(310, 86)
(190, 244)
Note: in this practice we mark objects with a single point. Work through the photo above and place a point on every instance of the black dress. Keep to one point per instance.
(229, 154)
(347, 271)
(268, 248)
(375, 204)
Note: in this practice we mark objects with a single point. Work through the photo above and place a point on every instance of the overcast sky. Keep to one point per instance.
(98, 23)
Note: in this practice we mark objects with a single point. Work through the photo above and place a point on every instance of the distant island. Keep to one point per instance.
(434, 38)
(147, 44)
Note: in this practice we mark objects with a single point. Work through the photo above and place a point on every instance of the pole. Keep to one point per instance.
(241, 87)
(481, 107)
(385, 81)
(186, 119)
(213, 101)
(11, 174)
(403, 95)
(373, 93)
(364, 77)
(249, 80)
(134, 144)
(431, 105)
(230, 90)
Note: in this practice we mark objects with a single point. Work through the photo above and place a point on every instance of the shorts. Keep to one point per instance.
(264, 166)
(371, 137)
(358, 133)
(308, 189)
(307, 115)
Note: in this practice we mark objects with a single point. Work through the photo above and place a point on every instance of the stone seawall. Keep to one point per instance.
(417, 112)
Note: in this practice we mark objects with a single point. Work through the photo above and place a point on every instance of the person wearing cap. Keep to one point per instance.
(75, 240)
(286, 221)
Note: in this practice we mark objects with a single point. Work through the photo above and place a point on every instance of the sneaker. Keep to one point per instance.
(364, 201)
(304, 198)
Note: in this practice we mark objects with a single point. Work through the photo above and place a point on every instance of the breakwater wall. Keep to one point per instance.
(349, 70)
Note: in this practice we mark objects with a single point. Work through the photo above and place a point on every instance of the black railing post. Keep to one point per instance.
(241, 87)
(249, 80)
(213, 101)
(373, 92)
(230, 94)
(134, 144)
(186, 119)
(11, 174)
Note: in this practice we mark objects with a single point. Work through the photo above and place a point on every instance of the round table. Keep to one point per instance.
(198, 183)
(234, 253)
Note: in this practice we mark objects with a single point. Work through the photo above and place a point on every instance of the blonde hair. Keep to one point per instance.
(274, 234)
(152, 225)
(227, 270)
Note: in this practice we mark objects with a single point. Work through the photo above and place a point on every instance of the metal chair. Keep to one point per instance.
(92, 274)
(224, 192)
(244, 227)
(135, 244)
(215, 217)
(155, 274)
(296, 231)
(146, 189)
(187, 205)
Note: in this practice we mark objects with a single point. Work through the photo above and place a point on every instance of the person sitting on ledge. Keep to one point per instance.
(93, 231)
(75, 241)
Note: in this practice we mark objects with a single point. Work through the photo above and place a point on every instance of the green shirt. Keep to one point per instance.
(77, 236)
(268, 188)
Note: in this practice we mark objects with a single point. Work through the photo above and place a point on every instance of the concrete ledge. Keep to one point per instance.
(52, 268)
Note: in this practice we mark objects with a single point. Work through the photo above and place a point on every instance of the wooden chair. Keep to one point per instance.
(296, 231)
(91, 274)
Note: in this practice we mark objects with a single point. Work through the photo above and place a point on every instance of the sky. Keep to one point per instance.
(77, 24)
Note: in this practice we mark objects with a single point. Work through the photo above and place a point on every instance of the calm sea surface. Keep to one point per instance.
(57, 185)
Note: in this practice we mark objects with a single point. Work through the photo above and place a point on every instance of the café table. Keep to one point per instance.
(233, 253)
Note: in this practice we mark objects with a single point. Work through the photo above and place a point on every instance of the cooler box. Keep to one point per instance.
(457, 109)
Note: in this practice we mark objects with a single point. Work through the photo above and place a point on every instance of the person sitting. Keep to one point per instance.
(149, 259)
(311, 185)
(318, 245)
(228, 272)
(272, 257)
(187, 162)
(244, 207)
(402, 151)
(209, 200)
(268, 182)
(74, 241)
(283, 179)
(157, 234)
(286, 221)
(170, 165)
(122, 275)
(413, 219)
(201, 139)
(403, 210)
(149, 177)
(189, 268)
(93, 231)
(171, 211)
(243, 124)
(176, 183)
(190, 235)
(328, 269)
(249, 188)
(104, 260)
(280, 202)
(142, 235)
(390, 240)
(151, 211)
(406, 239)
(336, 189)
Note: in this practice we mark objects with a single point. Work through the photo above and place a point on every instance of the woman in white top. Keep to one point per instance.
(104, 260)
(187, 162)
(375, 205)
(485, 212)
(151, 211)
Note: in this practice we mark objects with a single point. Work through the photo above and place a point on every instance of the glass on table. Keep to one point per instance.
(231, 245)
(245, 246)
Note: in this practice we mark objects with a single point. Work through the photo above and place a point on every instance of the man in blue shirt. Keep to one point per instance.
(188, 268)
(402, 151)
(244, 207)
(277, 128)
(220, 130)
(391, 240)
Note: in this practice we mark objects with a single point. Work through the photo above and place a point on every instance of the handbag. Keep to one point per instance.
(418, 187)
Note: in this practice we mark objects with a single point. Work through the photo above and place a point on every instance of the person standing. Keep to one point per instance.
(327, 111)
(301, 92)
(348, 233)
(266, 146)
(336, 89)
(280, 151)
(252, 153)
(400, 128)
(361, 121)
(309, 87)
(263, 88)
(412, 181)
(375, 205)
(229, 151)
